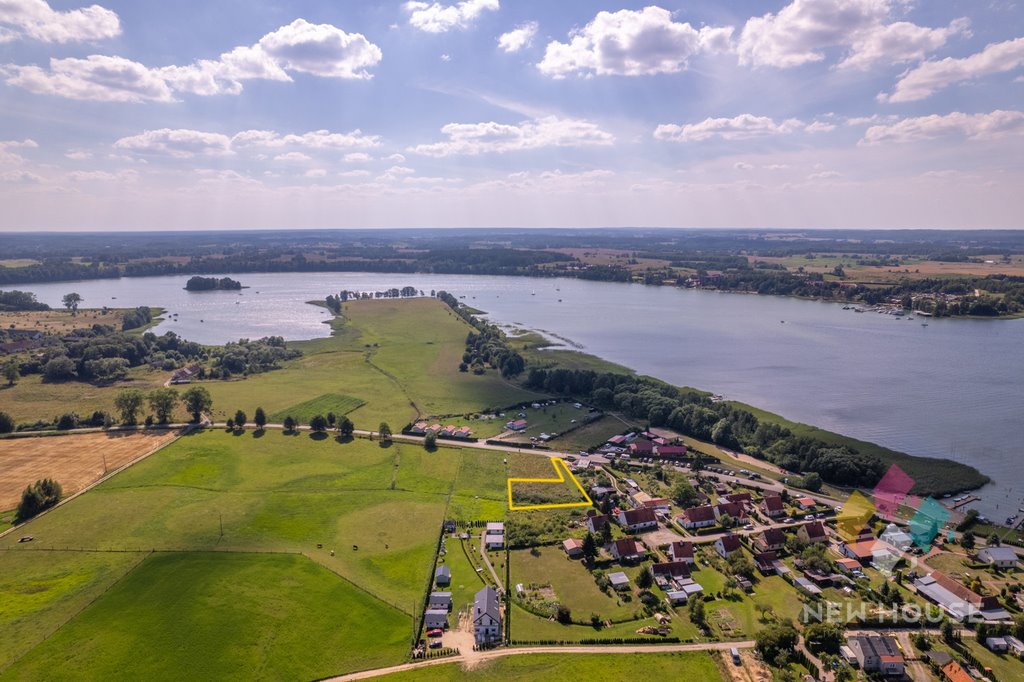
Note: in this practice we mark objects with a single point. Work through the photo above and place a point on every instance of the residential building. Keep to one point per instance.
(487, 616)
(772, 506)
(805, 503)
(806, 586)
(638, 519)
(443, 576)
(996, 644)
(697, 517)
(517, 425)
(494, 541)
(618, 580)
(954, 672)
(735, 510)
(659, 504)
(1000, 557)
(1014, 646)
(637, 498)
(671, 452)
(727, 545)
(440, 600)
(599, 492)
(957, 600)
(641, 448)
(897, 537)
(435, 619)
(765, 562)
(627, 549)
(813, 532)
(770, 540)
(597, 523)
(877, 654)
(742, 498)
(671, 570)
(681, 551)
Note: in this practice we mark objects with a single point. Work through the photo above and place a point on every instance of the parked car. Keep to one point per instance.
(436, 644)
(436, 632)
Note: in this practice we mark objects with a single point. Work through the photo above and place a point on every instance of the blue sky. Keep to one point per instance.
(230, 114)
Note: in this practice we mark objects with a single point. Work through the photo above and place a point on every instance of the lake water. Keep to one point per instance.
(950, 389)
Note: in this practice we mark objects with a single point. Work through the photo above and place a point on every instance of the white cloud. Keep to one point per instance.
(742, 127)
(820, 127)
(480, 138)
(930, 77)
(395, 158)
(630, 43)
(315, 173)
(293, 157)
(518, 38)
(996, 124)
(104, 176)
(35, 19)
(317, 139)
(395, 172)
(438, 18)
(359, 157)
(742, 165)
(12, 158)
(446, 58)
(108, 79)
(900, 42)
(300, 47)
(801, 31)
(824, 175)
(354, 174)
(20, 177)
(78, 154)
(179, 144)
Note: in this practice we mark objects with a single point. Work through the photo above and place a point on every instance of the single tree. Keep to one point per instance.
(290, 424)
(12, 371)
(606, 533)
(430, 441)
(240, 419)
(384, 431)
(993, 539)
(230, 424)
(197, 400)
(38, 497)
(697, 615)
(128, 403)
(318, 423)
(345, 427)
(6, 423)
(259, 419)
(644, 580)
(967, 540)
(563, 614)
(684, 494)
(948, 632)
(331, 419)
(162, 402)
(71, 302)
(589, 546)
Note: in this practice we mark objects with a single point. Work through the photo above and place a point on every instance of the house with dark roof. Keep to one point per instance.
(813, 532)
(638, 519)
(697, 517)
(877, 654)
(681, 551)
(1000, 557)
(772, 506)
(627, 549)
(671, 570)
(770, 540)
(597, 523)
(735, 510)
(765, 562)
(487, 616)
(727, 545)
(443, 576)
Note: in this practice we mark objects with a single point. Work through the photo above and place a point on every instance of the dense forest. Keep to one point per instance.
(20, 300)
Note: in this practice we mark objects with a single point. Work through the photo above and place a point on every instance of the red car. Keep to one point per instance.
(436, 632)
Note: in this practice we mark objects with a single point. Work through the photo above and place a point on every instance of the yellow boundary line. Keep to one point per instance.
(561, 479)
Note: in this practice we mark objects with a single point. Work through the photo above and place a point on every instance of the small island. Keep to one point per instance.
(198, 283)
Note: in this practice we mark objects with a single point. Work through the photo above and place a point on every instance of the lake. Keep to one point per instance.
(950, 389)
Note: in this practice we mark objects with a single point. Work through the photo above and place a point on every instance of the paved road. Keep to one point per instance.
(481, 656)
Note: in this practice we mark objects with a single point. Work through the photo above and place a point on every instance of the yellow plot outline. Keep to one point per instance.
(561, 479)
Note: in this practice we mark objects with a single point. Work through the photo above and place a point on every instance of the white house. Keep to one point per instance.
(897, 537)
(487, 616)
(1000, 557)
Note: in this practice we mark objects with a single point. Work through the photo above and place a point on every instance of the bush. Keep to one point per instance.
(563, 614)
(67, 421)
(37, 498)
(6, 423)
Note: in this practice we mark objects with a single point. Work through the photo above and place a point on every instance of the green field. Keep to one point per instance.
(570, 584)
(592, 667)
(337, 403)
(222, 615)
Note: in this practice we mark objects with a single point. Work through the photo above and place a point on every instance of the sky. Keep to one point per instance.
(240, 114)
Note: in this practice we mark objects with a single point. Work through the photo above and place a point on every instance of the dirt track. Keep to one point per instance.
(74, 461)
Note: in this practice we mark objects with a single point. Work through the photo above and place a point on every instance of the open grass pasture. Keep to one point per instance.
(221, 616)
(75, 461)
(338, 403)
(593, 667)
(548, 571)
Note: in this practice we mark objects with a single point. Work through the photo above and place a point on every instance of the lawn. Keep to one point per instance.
(549, 419)
(40, 591)
(569, 583)
(589, 435)
(223, 615)
(338, 403)
(592, 667)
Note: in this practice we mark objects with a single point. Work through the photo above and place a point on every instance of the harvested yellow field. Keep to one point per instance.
(60, 321)
(74, 461)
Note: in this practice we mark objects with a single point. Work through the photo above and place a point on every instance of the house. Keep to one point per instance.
(871, 552)
(685, 589)
(670, 452)
(772, 506)
(735, 510)
(443, 576)
(599, 492)
(727, 545)
(765, 562)
(435, 619)
(897, 537)
(638, 519)
(805, 503)
(997, 644)
(496, 527)
(770, 540)
(487, 616)
(812, 532)
(641, 448)
(494, 540)
(573, 547)
(185, 374)
(440, 600)
(954, 672)
(939, 658)
(618, 580)
(517, 425)
(742, 498)
(627, 549)
(419, 428)
(671, 570)
(617, 440)
(659, 504)
(681, 551)
(597, 523)
(697, 517)
(1000, 557)
(877, 654)
(1014, 646)
(463, 432)
(850, 566)
(957, 600)
(637, 498)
